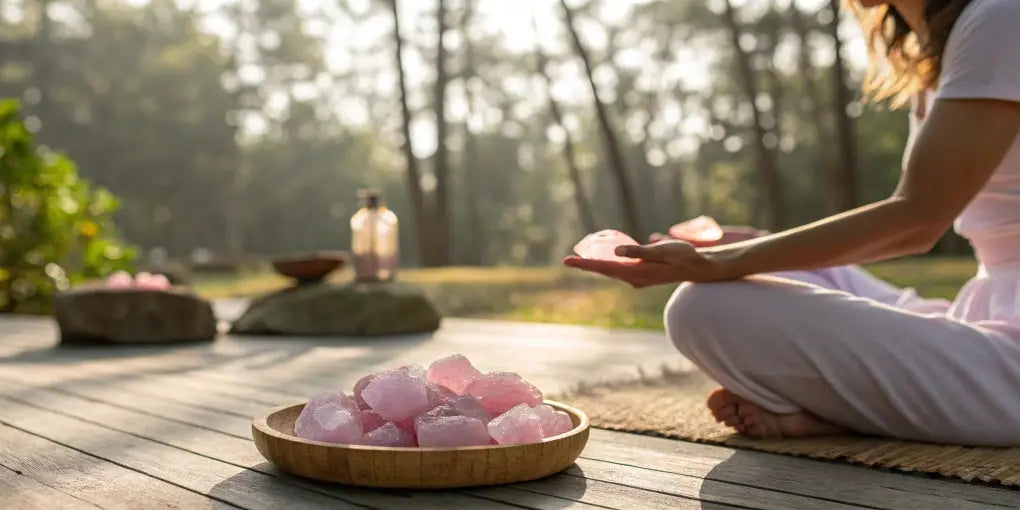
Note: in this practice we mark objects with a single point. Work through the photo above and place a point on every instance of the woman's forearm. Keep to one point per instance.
(886, 229)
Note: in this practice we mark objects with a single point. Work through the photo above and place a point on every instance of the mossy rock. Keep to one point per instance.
(364, 309)
(96, 315)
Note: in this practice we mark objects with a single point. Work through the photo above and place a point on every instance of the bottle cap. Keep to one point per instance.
(368, 197)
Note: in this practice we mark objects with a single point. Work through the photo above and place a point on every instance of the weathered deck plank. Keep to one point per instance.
(202, 475)
(839, 482)
(19, 492)
(87, 477)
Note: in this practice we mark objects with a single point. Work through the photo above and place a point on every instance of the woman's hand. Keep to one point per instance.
(658, 263)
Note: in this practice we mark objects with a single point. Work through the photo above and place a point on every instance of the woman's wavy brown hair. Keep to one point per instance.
(901, 64)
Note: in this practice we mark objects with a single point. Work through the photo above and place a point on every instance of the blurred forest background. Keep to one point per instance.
(499, 131)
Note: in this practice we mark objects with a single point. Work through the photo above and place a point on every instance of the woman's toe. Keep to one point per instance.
(757, 430)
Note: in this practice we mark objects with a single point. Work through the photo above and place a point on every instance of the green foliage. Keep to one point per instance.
(55, 230)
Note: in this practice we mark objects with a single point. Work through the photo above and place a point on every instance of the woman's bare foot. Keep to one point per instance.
(748, 418)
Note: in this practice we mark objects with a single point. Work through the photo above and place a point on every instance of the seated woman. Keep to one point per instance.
(804, 344)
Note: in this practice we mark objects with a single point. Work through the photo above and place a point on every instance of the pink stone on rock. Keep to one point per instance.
(370, 420)
(397, 395)
(602, 246)
(388, 435)
(450, 431)
(359, 387)
(518, 425)
(119, 280)
(454, 372)
(332, 417)
(499, 391)
(438, 395)
(698, 231)
(554, 422)
(145, 280)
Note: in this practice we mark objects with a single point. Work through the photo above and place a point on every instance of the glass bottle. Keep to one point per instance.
(374, 240)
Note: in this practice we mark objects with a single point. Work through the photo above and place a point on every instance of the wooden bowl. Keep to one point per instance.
(415, 468)
(309, 267)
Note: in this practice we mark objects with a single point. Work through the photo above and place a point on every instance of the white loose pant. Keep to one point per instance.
(855, 351)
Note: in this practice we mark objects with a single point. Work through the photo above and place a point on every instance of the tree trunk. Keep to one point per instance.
(472, 249)
(442, 197)
(421, 213)
(766, 158)
(814, 103)
(844, 182)
(42, 72)
(584, 215)
(617, 163)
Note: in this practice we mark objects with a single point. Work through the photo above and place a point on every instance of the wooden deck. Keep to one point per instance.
(162, 427)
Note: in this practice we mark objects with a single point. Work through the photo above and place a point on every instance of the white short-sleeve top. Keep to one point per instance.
(982, 61)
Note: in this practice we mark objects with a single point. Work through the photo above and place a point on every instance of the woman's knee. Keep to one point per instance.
(696, 310)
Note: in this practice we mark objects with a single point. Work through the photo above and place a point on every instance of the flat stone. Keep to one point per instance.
(96, 315)
(363, 309)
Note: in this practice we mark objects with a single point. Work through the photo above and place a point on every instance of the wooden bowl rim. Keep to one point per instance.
(261, 423)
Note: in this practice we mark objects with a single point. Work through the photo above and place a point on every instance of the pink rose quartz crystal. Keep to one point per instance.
(388, 435)
(370, 420)
(397, 395)
(332, 417)
(698, 231)
(450, 431)
(499, 391)
(438, 395)
(466, 405)
(602, 246)
(453, 372)
(359, 387)
(518, 425)
(554, 422)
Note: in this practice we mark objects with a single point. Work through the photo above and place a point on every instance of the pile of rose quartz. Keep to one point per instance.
(451, 404)
(143, 280)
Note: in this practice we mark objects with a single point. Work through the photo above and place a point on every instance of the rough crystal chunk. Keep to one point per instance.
(454, 372)
(416, 371)
(518, 425)
(602, 246)
(360, 387)
(699, 231)
(388, 435)
(451, 431)
(554, 422)
(331, 417)
(466, 405)
(370, 420)
(438, 395)
(397, 395)
(499, 391)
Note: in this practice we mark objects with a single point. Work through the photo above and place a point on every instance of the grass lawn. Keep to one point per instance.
(553, 294)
